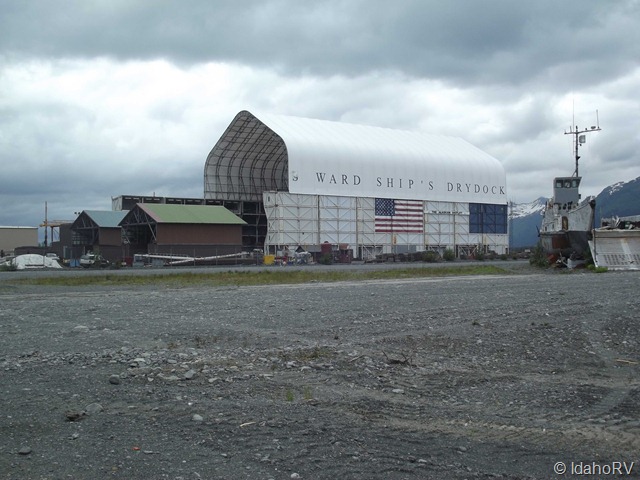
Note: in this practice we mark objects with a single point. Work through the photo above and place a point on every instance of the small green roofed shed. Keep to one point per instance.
(97, 231)
(202, 214)
(198, 230)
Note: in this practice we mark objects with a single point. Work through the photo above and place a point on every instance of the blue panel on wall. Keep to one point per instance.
(487, 218)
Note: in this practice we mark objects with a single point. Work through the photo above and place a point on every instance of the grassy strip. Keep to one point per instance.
(267, 277)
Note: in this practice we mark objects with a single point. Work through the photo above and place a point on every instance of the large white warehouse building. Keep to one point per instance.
(376, 189)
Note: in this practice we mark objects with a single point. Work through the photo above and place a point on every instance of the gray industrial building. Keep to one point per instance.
(15, 237)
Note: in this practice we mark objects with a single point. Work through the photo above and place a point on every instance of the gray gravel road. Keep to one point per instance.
(460, 377)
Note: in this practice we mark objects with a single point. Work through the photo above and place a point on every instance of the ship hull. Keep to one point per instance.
(567, 232)
(565, 243)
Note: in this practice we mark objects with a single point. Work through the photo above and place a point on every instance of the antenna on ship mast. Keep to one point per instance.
(579, 139)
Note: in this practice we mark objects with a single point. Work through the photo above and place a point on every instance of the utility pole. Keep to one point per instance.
(46, 225)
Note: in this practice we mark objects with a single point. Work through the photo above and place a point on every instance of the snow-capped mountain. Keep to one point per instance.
(620, 199)
(525, 221)
(519, 210)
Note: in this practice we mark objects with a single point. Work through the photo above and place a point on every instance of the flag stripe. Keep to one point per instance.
(399, 216)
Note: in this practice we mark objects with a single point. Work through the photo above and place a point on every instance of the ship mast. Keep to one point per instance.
(579, 138)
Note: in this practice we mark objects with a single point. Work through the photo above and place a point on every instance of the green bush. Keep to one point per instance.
(449, 255)
(588, 259)
(538, 257)
(430, 257)
(326, 259)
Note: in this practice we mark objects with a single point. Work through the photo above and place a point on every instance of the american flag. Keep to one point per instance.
(399, 216)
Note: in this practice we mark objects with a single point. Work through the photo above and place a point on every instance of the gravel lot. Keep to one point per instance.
(448, 378)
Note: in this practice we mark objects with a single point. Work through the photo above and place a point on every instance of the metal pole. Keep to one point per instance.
(46, 224)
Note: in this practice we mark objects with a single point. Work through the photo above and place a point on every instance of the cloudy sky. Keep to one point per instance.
(109, 97)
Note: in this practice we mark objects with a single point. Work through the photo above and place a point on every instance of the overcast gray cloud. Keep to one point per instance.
(109, 97)
(502, 42)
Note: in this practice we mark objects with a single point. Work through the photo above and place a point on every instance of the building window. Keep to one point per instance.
(487, 218)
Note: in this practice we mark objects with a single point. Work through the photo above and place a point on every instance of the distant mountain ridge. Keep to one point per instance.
(621, 199)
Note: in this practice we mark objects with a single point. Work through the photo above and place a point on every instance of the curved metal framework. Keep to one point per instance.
(248, 159)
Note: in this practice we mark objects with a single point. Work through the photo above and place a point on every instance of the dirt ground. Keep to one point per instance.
(448, 378)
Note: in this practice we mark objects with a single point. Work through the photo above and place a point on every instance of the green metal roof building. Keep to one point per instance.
(196, 230)
(190, 214)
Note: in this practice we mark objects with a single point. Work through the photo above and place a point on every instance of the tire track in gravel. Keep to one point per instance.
(623, 375)
(463, 421)
(423, 406)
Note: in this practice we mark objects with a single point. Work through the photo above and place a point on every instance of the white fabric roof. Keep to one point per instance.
(274, 152)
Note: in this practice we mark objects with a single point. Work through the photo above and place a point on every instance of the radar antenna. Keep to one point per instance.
(579, 138)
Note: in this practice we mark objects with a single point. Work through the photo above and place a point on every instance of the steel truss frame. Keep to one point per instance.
(85, 231)
(139, 228)
(248, 159)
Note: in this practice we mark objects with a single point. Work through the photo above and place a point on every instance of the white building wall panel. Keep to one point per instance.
(291, 219)
(446, 207)
(462, 228)
(439, 240)
(413, 239)
(439, 226)
(365, 216)
(330, 201)
(335, 237)
(439, 207)
(305, 220)
(498, 243)
(468, 238)
(331, 232)
(337, 219)
(462, 208)
(462, 220)
(379, 239)
(439, 223)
